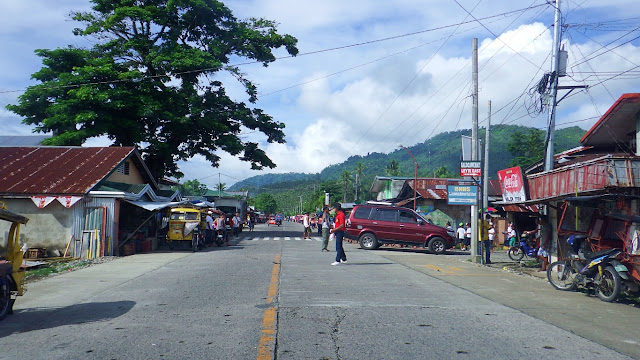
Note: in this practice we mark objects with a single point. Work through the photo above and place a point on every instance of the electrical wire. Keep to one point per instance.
(278, 58)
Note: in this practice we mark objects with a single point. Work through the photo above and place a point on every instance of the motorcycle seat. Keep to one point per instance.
(596, 254)
(5, 268)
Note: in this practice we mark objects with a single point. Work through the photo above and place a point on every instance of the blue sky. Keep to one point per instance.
(373, 97)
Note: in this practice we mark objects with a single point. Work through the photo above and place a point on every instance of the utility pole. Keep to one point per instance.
(485, 181)
(548, 159)
(474, 147)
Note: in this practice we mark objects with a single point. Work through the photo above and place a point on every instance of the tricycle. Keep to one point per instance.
(184, 228)
(11, 275)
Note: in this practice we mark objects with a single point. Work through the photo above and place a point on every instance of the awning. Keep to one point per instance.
(153, 206)
(596, 200)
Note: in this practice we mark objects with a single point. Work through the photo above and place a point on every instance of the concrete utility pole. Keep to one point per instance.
(548, 159)
(474, 147)
(485, 181)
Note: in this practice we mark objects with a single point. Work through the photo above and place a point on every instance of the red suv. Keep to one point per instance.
(374, 225)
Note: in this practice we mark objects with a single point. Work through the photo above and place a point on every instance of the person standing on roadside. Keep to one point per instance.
(324, 224)
(338, 230)
(461, 234)
(306, 223)
(236, 225)
(488, 243)
(208, 232)
(467, 236)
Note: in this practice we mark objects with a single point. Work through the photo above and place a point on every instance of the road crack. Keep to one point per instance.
(335, 330)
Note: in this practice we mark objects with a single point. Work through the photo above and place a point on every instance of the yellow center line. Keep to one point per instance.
(266, 346)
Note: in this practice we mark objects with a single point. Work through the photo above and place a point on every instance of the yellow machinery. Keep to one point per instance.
(10, 274)
(184, 228)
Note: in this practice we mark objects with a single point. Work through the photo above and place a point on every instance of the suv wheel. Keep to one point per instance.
(368, 241)
(437, 245)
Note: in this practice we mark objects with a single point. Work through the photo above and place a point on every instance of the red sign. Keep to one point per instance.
(475, 172)
(512, 185)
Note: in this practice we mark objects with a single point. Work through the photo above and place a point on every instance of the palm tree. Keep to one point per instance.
(345, 179)
(221, 187)
(359, 171)
(393, 168)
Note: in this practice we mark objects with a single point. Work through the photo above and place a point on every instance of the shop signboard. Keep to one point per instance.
(462, 194)
(470, 168)
(512, 185)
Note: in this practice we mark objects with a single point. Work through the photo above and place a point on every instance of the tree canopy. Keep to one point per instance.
(265, 202)
(193, 188)
(151, 80)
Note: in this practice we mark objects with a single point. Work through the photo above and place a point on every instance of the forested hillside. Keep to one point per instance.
(437, 157)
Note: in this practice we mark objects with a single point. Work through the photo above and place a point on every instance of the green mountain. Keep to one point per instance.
(436, 153)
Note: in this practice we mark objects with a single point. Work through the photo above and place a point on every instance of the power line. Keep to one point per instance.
(282, 57)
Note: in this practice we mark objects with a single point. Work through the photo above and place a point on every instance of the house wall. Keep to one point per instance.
(49, 228)
(134, 176)
(459, 213)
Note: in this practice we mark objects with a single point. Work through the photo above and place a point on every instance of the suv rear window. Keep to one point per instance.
(385, 215)
(362, 213)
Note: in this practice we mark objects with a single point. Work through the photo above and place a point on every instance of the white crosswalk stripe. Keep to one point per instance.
(276, 238)
(266, 239)
(287, 238)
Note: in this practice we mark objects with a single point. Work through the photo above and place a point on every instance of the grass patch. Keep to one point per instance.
(54, 268)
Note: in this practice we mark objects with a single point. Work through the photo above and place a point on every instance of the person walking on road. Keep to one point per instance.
(461, 234)
(236, 225)
(324, 224)
(306, 234)
(338, 230)
(222, 226)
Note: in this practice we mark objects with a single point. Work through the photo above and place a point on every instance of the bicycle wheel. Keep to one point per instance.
(562, 276)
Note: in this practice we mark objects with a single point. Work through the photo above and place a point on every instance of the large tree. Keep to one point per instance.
(152, 79)
(194, 188)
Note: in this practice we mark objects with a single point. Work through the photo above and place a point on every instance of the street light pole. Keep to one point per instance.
(415, 177)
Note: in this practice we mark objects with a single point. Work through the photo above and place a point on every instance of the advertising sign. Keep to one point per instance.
(470, 168)
(462, 194)
(512, 185)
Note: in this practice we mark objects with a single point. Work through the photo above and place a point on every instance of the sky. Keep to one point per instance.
(373, 75)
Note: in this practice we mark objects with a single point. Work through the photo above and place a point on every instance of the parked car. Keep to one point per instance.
(374, 225)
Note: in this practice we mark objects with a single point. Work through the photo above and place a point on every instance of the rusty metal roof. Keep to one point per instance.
(57, 170)
(618, 124)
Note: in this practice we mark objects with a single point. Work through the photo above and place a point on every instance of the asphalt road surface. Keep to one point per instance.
(273, 295)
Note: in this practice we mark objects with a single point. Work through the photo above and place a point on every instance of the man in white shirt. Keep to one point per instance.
(307, 226)
(236, 225)
(461, 233)
(208, 232)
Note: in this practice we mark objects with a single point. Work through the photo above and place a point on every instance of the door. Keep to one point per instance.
(385, 223)
(409, 229)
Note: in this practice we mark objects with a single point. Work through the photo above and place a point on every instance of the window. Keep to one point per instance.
(123, 168)
(385, 215)
(408, 217)
(362, 213)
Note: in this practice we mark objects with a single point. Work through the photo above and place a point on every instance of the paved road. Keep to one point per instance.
(274, 295)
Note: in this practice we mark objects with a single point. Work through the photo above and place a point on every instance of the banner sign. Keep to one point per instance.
(462, 194)
(42, 201)
(470, 168)
(512, 184)
(68, 201)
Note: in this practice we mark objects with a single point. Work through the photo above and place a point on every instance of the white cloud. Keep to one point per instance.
(375, 105)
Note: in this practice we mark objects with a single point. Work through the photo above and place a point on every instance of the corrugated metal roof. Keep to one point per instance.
(22, 140)
(615, 125)
(56, 170)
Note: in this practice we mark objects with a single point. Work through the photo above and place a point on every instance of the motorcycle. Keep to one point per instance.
(517, 252)
(220, 237)
(600, 270)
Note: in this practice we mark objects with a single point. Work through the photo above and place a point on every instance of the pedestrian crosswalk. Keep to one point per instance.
(278, 238)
